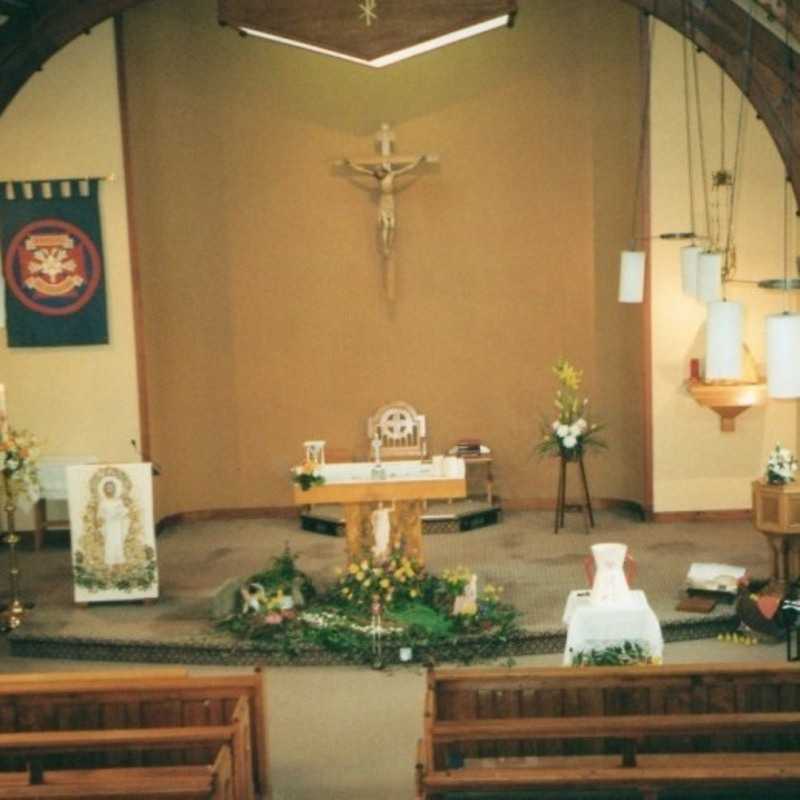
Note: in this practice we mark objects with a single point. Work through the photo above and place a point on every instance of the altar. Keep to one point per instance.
(400, 486)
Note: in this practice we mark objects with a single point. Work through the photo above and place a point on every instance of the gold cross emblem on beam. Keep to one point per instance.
(368, 11)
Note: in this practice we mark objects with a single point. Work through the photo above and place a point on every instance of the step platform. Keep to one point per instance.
(438, 517)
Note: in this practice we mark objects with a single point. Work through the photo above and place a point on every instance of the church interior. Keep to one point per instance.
(424, 319)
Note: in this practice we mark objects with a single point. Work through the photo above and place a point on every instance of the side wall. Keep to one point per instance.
(697, 467)
(65, 123)
(266, 322)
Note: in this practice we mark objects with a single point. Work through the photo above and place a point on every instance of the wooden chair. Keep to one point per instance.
(401, 429)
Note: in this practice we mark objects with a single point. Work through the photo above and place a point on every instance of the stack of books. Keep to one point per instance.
(468, 448)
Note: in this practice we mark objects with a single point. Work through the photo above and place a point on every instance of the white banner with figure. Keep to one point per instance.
(112, 532)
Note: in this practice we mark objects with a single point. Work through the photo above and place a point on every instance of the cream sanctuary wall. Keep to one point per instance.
(65, 123)
(265, 319)
(696, 466)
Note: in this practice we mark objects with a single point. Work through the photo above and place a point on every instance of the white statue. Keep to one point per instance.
(610, 586)
(115, 522)
(254, 597)
(467, 601)
(376, 445)
(381, 531)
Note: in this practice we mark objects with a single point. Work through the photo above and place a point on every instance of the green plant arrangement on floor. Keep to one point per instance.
(623, 655)
(373, 611)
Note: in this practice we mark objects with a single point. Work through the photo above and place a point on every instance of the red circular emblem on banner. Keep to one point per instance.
(53, 267)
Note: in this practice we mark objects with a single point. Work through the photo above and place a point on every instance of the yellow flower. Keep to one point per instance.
(364, 564)
(414, 593)
(385, 583)
(367, 583)
(360, 577)
(338, 570)
(352, 569)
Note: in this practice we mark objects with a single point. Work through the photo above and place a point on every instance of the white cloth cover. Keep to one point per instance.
(595, 627)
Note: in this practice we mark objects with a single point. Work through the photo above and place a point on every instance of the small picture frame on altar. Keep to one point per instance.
(112, 532)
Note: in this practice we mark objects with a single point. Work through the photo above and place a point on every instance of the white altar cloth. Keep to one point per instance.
(592, 627)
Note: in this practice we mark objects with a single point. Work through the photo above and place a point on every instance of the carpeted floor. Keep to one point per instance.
(536, 567)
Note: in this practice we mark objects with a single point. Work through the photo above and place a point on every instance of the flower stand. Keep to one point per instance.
(561, 500)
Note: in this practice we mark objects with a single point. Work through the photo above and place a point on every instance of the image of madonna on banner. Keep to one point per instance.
(53, 263)
(112, 532)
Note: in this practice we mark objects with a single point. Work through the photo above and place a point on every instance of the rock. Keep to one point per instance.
(226, 600)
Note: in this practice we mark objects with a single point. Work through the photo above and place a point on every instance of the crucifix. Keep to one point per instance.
(384, 168)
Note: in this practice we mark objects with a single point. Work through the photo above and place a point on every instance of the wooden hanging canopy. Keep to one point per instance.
(365, 31)
(755, 55)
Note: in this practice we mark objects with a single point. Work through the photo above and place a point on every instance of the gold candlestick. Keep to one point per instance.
(11, 617)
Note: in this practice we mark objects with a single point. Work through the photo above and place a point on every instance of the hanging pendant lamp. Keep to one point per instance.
(690, 257)
(709, 277)
(724, 336)
(631, 276)
(783, 355)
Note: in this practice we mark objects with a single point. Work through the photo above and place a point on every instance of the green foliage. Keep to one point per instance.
(625, 654)
(132, 578)
(416, 611)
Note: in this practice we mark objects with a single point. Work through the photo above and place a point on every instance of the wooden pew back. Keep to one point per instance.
(562, 717)
(144, 701)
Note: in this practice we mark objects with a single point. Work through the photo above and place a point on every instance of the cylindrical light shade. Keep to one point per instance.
(783, 355)
(709, 277)
(724, 341)
(631, 277)
(689, 262)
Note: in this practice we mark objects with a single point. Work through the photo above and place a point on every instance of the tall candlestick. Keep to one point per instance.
(3, 410)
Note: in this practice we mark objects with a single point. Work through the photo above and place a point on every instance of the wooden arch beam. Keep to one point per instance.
(756, 59)
(42, 33)
(762, 65)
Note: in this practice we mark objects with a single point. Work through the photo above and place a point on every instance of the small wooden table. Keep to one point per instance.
(359, 498)
(486, 461)
(776, 513)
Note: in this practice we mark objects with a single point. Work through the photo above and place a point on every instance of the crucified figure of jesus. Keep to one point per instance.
(385, 168)
(385, 173)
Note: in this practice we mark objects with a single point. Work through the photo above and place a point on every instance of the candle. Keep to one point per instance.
(3, 411)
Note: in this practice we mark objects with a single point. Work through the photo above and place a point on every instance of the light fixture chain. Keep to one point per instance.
(688, 119)
(700, 135)
(644, 126)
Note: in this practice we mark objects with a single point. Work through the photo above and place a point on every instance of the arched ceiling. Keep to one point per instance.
(748, 38)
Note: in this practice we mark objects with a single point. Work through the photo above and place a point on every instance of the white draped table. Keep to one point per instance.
(598, 626)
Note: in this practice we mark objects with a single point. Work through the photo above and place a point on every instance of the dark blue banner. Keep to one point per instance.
(53, 263)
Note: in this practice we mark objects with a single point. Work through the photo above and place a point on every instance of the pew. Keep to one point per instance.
(211, 781)
(143, 701)
(641, 730)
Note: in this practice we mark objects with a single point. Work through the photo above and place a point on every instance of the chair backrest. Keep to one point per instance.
(401, 430)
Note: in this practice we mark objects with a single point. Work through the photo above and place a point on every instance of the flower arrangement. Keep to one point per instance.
(570, 433)
(307, 475)
(622, 655)
(19, 454)
(416, 611)
(781, 466)
(399, 579)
